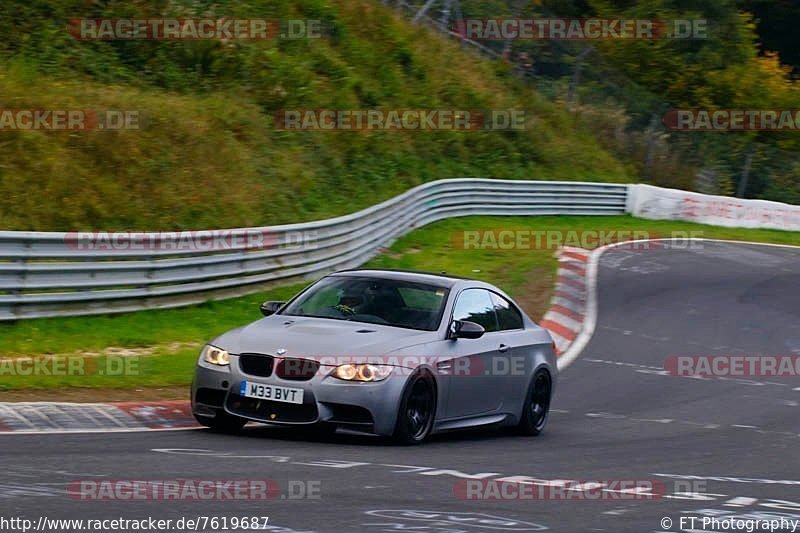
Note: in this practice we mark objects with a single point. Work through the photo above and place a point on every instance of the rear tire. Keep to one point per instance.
(536, 409)
(222, 422)
(417, 410)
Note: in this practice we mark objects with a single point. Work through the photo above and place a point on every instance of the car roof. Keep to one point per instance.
(405, 275)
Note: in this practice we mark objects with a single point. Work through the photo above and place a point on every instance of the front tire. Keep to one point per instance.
(222, 422)
(536, 409)
(417, 410)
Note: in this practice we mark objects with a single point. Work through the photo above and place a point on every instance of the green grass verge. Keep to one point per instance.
(528, 275)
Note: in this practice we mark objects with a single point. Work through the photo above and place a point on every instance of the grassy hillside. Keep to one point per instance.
(207, 153)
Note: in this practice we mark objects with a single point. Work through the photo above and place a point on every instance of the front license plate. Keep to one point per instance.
(271, 392)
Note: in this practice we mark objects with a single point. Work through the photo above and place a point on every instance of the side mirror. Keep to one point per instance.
(270, 308)
(464, 329)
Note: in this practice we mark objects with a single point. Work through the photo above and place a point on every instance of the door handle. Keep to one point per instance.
(503, 348)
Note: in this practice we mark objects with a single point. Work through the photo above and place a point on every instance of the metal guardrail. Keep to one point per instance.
(51, 274)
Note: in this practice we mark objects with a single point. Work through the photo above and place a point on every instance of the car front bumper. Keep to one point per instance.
(370, 407)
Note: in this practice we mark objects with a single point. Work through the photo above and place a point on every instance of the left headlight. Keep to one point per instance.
(215, 356)
(362, 372)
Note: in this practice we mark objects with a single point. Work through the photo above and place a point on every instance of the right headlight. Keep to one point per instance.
(215, 356)
(362, 372)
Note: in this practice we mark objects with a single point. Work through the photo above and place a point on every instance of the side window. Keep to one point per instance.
(508, 316)
(476, 306)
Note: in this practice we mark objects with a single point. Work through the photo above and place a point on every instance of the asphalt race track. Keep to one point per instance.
(722, 447)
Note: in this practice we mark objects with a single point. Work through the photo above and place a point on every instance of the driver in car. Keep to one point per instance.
(349, 303)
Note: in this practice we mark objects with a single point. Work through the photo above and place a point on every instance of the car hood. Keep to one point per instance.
(320, 339)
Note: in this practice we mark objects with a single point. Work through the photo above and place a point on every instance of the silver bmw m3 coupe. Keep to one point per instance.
(401, 354)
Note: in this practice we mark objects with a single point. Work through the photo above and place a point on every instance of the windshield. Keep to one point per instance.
(390, 302)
